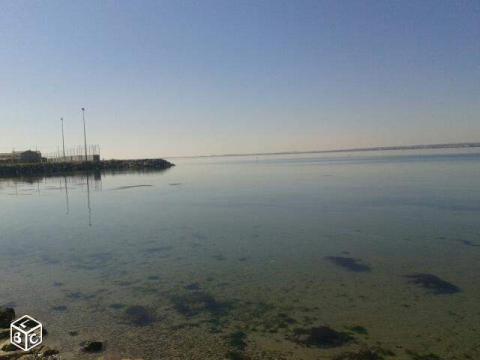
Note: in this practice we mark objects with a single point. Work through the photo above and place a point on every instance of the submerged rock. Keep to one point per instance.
(321, 336)
(349, 263)
(92, 346)
(433, 283)
(7, 315)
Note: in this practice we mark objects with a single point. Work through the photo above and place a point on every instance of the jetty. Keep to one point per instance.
(64, 168)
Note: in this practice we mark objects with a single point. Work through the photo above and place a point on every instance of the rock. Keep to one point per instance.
(7, 315)
(92, 346)
(49, 352)
(9, 347)
(4, 334)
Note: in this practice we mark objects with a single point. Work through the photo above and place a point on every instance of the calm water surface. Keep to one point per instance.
(230, 257)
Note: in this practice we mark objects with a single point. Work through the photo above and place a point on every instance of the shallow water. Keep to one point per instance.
(230, 257)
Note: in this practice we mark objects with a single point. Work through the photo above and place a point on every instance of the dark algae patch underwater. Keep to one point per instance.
(321, 337)
(433, 283)
(138, 315)
(236, 341)
(197, 302)
(349, 263)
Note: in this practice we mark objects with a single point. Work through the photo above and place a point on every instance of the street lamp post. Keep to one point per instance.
(63, 140)
(84, 133)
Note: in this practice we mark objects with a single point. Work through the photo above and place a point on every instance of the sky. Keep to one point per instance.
(175, 78)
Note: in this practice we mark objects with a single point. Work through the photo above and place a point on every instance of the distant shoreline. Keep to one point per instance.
(379, 148)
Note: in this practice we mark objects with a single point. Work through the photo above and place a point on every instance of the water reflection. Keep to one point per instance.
(22, 186)
(88, 202)
(41, 185)
(67, 205)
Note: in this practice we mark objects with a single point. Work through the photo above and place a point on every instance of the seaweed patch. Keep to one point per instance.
(322, 337)
(139, 315)
(433, 283)
(349, 263)
(197, 302)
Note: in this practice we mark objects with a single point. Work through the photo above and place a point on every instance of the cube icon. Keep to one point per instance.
(26, 333)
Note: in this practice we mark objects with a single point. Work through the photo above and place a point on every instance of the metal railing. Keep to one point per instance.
(76, 154)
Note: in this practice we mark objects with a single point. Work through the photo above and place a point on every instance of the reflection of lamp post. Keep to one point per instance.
(84, 134)
(63, 140)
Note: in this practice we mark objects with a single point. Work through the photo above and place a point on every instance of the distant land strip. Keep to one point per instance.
(379, 148)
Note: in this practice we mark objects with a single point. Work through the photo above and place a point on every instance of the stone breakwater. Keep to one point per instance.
(61, 168)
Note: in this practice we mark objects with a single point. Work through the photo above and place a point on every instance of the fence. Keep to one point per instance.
(76, 154)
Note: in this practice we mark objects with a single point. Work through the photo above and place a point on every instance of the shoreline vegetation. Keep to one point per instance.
(64, 168)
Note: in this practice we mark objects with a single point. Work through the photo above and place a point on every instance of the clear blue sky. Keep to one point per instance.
(164, 78)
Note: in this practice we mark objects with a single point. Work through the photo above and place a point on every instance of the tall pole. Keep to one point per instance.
(84, 134)
(63, 140)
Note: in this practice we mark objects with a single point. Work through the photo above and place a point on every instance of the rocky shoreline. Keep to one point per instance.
(9, 351)
(62, 168)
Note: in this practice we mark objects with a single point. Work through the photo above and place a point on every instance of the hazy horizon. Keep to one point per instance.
(165, 79)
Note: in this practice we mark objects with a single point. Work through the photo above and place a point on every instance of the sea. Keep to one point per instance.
(302, 256)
